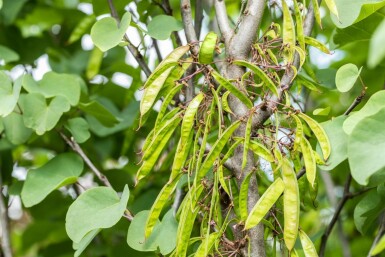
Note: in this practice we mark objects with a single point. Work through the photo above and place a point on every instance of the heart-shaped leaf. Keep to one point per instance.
(62, 170)
(8, 95)
(346, 77)
(54, 84)
(8, 55)
(15, 130)
(161, 26)
(38, 115)
(106, 33)
(366, 147)
(162, 237)
(98, 207)
(79, 129)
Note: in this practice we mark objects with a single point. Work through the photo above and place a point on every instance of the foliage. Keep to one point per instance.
(210, 153)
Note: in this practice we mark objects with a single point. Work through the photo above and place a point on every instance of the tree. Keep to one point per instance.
(247, 138)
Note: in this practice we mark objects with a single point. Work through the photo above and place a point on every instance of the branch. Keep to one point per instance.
(222, 19)
(133, 49)
(5, 232)
(189, 29)
(248, 28)
(76, 148)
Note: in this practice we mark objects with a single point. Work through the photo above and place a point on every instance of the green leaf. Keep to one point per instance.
(206, 52)
(376, 47)
(351, 12)
(338, 142)
(79, 129)
(106, 33)
(367, 211)
(366, 147)
(161, 26)
(54, 84)
(100, 112)
(38, 115)
(81, 246)
(62, 170)
(8, 95)
(15, 130)
(374, 104)
(98, 207)
(346, 77)
(8, 55)
(163, 236)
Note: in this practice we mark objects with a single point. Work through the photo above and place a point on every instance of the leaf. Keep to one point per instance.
(38, 115)
(264, 204)
(7, 55)
(307, 245)
(262, 75)
(161, 26)
(62, 170)
(338, 142)
(309, 160)
(320, 134)
(100, 112)
(346, 77)
(367, 134)
(164, 235)
(206, 52)
(233, 89)
(98, 207)
(9, 95)
(291, 205)
(86, 240)
(79, 129)
(315, 43)
(106, 33)
(53, 84)
(156, 80)
(350, 12)
(367, 211)
(15, 130)
(376, 49)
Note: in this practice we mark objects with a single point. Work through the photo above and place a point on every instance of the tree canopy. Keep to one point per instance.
(192, 128)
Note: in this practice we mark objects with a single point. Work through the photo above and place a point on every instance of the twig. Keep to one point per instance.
(133, 49)
(76, 148)
(5, 232)
(346, 195)
(380, 233)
